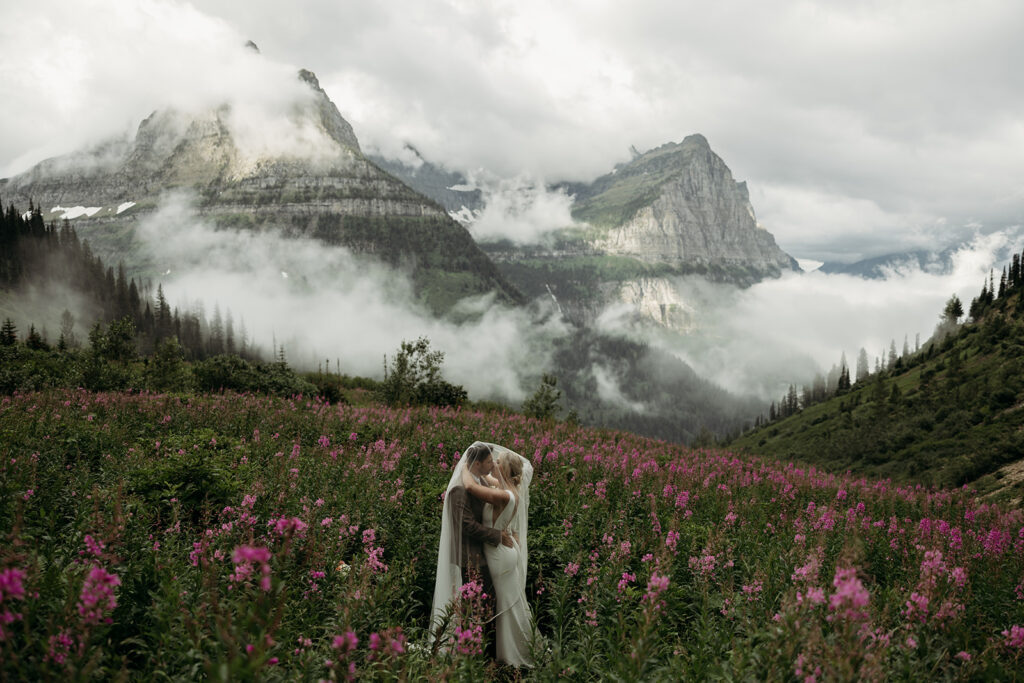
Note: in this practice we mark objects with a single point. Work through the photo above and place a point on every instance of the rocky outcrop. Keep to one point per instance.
(679, 205)
(659, 300)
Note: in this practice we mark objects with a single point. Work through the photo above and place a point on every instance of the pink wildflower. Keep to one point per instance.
(97, 596)
(850, 597)
(347, 641)
(1014, 637)
(11, 585)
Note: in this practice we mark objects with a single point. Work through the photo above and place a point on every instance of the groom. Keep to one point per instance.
(474, 534)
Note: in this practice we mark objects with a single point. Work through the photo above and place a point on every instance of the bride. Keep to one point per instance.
(504, 491)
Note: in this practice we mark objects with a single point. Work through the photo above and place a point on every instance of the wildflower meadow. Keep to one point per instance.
(230, 536)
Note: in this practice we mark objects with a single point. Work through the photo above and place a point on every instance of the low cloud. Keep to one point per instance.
(520, 209)
(323, 303)
(757, 341)
(609, 390)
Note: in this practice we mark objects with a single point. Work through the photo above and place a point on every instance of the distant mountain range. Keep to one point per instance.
(933, 261)
(322, 186)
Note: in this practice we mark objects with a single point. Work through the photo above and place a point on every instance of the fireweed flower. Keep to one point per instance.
(345, 642)
(850, 597)
(97, 596)
(248, 560)
(11, 584)
(471, 590)
(1014, 637)
(469, 641)
(60, 647)
(672, 540)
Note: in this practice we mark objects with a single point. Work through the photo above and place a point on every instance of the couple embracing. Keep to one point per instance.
(483, 537)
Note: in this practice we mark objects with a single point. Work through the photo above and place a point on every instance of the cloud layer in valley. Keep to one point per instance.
(321, 303)
(759, 340)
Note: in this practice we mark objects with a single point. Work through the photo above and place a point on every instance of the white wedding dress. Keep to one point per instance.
(514, 622)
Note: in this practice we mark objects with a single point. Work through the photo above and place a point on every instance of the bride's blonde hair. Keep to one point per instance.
(513, 465)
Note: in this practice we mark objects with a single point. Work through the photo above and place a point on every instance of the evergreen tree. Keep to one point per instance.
(8, 333)
(34, 340)
(862, 365)
(162, 315)
(67, 329)
(953, 310)
(844, 380)
(543, 405)
(892, 354)
(229, 333)
(216, 339)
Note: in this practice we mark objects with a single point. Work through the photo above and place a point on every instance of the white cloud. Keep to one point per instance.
(521, 209)
(782, 331)
(332, 305)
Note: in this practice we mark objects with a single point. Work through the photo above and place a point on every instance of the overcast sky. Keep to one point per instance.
(861, 127)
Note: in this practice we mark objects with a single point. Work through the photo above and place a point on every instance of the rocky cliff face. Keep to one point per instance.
(302, 173)
(679, 204)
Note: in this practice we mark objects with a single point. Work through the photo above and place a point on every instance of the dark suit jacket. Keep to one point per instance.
(474, 533)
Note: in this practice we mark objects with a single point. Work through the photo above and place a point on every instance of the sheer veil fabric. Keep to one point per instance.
(448, 579)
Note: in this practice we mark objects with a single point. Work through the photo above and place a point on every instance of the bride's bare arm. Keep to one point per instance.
(494, 496)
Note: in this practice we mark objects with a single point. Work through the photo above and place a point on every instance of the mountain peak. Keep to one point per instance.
(309, 77)
(679, 204)
(696, 139)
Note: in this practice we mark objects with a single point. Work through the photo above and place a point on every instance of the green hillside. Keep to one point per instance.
(949, 415)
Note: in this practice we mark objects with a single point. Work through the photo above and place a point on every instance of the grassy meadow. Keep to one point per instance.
(235, 536)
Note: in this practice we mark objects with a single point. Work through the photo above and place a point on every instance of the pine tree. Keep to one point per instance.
(216, 339)
(67, 329)
(862, 365)
(229, 333)
(162, 315)
(34, 340)
(8, 333)
(844, 380)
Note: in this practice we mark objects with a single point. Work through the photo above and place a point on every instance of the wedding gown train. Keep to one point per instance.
(514, 621)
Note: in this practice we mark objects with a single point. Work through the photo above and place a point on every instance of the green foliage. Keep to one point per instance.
(191, 482)
(543, 404)
(414, 378)
(949, 417)
(8, 333)
(166, 370)
(226, 372)
(117, 343)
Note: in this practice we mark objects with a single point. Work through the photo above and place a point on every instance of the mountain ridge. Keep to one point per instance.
(306, 177)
